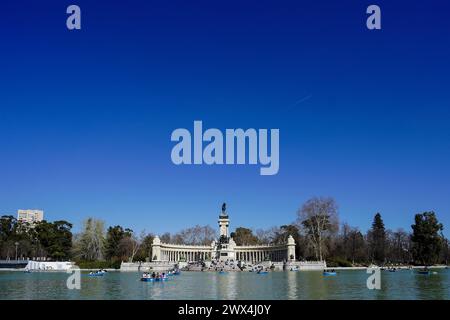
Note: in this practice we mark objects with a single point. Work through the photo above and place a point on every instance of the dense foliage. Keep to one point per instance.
(44, 239)
(426, 238)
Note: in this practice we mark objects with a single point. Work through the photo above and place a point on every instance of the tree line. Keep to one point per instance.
(319, 236)
(316, 230)
(42, 239)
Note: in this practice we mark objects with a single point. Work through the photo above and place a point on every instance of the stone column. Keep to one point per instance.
(156, 249)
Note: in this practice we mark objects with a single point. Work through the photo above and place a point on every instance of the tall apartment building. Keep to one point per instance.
(30, 216)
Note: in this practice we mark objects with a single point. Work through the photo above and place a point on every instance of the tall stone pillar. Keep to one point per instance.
(291, 249)
(156, 249)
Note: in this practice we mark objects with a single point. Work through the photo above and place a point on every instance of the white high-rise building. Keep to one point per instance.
(30, 215)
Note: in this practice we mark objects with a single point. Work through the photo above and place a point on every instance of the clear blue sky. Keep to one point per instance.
(86, 116)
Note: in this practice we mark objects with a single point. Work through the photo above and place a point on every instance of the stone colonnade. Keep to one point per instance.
(259, 254)
(251, 254)
(183, 254)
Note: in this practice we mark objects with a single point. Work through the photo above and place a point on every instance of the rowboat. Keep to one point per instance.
(154, 279)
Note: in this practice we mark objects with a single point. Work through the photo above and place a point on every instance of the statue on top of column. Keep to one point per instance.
(224, 209)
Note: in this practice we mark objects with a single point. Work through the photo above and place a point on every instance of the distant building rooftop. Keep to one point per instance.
(30, 215)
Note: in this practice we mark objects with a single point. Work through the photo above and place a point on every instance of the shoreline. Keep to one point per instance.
(335, 268)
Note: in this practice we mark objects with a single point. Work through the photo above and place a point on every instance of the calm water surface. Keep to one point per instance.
(403, 284)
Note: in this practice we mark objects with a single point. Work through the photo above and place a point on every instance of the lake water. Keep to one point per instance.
(403, 284)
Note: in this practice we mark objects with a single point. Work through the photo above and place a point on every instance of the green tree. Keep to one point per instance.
(62, 240)
(426, 238)
(377, 240)
(244, 237)
(114, 237)
(55, 238)
(41, 239)
(8, 226)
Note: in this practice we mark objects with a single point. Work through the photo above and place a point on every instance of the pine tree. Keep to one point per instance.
(378, 239)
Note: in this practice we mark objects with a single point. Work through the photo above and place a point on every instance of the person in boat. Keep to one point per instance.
(163, 275)
(153, 275)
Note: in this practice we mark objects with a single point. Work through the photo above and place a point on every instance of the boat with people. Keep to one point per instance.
(295, 268)
(99, 273)
(154, 277)
(175, 272)
(329, 272)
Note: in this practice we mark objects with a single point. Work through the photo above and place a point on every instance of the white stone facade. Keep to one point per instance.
(223, 249)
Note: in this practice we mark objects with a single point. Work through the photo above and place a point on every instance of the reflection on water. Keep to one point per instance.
(434, 284)
(291, 285)
(403, 284)
(230, 285)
